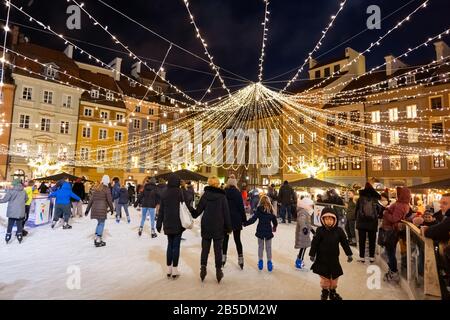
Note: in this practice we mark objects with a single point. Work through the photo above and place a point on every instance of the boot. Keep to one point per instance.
(154, 235)
(24, 232)
(8, 237)
(67, 226)
(260, 264)
(269, 266)
(169, 271)
(334, 295)
(241, 261)
(299, 263)
(128, 219)
(54, 224)
(325, 294)
(219, 274)
(392, 277)
(19, 237)
(140, 231)
(203, 272)
(98, 242)
(175, 274)
(224, 260)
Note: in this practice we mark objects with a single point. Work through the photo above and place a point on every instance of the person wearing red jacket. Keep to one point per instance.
(392, 217)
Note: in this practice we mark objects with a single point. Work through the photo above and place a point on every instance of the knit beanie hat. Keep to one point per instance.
(106, 180)
(16, 182)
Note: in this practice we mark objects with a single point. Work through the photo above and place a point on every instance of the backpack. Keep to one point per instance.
(368, 209)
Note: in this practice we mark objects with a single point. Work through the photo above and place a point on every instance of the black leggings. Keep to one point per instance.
(206, 246)
(173, 249)
(301, 253)
(237, 241)
(27, 214)
(362, 243)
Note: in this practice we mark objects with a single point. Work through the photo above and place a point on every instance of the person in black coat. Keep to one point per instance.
(267, 224)
(287, 197)
(237, 215)
(122, 202)
(77, 206)
(368, 211)
(169, 217)
(131, 194)
(324, 253)
(216, 222)
(148, 199)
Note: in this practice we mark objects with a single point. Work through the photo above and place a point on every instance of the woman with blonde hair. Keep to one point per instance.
(267, 224)
(216, 223)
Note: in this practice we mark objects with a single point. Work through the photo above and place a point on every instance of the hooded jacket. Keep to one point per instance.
(99, 202)
(397, 211)
(325, 247)
(64, 194)
(149, 198)
(286, 195)
(216, 221)
(368, 221)
(16, 198)
(303, 229)
(116, 191)
(169, 210)
(267, 223)
(123, 196)
(236, 206)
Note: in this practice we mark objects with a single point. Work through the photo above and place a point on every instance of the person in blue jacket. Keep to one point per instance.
(115, 192)
(62, 204)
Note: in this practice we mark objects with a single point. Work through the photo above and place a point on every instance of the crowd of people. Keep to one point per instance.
(366, 215)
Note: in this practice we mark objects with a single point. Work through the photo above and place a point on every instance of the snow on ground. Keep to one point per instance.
(132, 267)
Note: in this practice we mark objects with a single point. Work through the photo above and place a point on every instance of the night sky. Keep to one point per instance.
(233, 31)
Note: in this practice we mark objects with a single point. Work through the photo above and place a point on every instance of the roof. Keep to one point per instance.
(329, 60)
(139, 91)
(441, 184)
(184, 175)
(313, 183)
(304, 85)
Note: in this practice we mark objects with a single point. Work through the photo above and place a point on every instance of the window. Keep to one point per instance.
(436, 103)
(395, 163)
(101, 155)
(290, 160)
(356, 163)
(88, 112)
(376, 87)
(313, 136)
(86, 132)
(410, 79)
(439, 160)
(301, 160)
(331, 163)
(301, 119)
(354, 116)
(67, 101)
(84, 153)
(317, 74)
(48, 97)
(45, 124)
(22, 147)
(50, 72)
(413, 162)
(413, 135)
(104, 114)
(376, 138)
(331, 140)
(27, 93)
(301, 138)
(134, 142)
(135, 161)
(64, 129)
(331, 120)
(102, 134)
(290, 139)
(24, 121)
(159, 89)
(151, 111)
(119, 116)
(95, 94)
(62, 153)
(336, 68)
(343, 163)
(394, 136)
(133, 84)
(343, 141)
(138, 109)
(392, 83)
(327, 72)
(342, 116)
(411, 112)
(437, 130)
(393, 114)
(116, 155)
(376, 116)
(377, 163)
(118, 135)
(208, 149)
(150, 126)
(208, 169)
(136, 123)
(355, 137)
(164, 128)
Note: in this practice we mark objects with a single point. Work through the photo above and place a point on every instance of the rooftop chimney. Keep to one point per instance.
(312, 62)
(442, 50)
(69, 51)
(116, 64)
(15, 36)
(136, 70)
(392, 64)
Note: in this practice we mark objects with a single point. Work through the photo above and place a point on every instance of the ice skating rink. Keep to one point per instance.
(46, 265)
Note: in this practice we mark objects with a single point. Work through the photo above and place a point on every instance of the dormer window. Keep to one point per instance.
(109, 96)
(392, 83)
(50, 71)
(376, 87)
(132, 84)
(410, 79)
(95, 94)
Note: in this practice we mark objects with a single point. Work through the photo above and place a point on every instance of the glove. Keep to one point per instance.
(86, 213)
(274, 229)
(349, 259)
(312, 258)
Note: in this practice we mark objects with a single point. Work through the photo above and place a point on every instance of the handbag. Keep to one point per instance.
(185, 215)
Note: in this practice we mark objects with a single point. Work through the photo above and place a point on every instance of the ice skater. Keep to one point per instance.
(16, 198)
(303, 230)
(149, 199)
(325, 253)
(122, 202)
(62, 204)
(267, 224)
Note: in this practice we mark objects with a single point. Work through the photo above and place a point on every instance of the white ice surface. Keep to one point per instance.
(132, 267)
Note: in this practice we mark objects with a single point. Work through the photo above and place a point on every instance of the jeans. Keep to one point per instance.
(391, 247)
(362, 243)
(151, 212)
(206, 246)
(283, 210)
(119, 210)
(268, 243)
(100, 227)
(19, 224)
(116, 204)
(237, 241)
(173, 249)
(62, 211)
